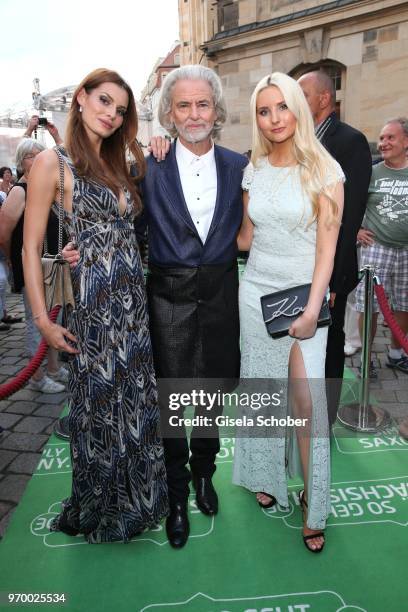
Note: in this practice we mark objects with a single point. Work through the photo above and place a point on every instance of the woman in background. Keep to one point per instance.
(12, 219)
(6, 177)
(6, 182)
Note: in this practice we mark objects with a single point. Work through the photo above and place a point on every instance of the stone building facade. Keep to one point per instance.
(149, 98)
(363, 44)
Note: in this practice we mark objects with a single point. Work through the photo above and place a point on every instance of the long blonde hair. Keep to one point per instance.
(318, 170)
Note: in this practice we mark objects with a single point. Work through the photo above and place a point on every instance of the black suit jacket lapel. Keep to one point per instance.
(224, 173)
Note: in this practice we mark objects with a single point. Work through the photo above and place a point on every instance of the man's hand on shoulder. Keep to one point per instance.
(159, 146)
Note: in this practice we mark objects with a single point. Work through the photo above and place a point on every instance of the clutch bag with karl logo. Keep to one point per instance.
(281, 308)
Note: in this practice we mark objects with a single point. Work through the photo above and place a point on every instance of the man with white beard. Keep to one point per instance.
(193, 210)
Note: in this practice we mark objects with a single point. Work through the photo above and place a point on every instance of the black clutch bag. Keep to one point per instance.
(281, 308)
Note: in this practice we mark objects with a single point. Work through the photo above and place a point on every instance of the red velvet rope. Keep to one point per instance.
(26, 373)
(389, 317)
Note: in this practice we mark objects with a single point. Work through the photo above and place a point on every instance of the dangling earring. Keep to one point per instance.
(80, 109)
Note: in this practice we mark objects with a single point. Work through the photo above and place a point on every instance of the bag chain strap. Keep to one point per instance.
(60, 209)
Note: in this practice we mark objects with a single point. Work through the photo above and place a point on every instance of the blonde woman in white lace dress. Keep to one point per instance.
(293, 201)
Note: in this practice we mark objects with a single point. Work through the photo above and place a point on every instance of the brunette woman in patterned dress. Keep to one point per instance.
(118, 481)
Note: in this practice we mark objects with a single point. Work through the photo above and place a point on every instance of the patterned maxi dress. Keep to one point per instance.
(118, 474)
(282, 256)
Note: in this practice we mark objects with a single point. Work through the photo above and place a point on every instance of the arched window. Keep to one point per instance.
(336, 73)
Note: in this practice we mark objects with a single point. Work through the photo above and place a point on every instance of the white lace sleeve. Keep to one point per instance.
(334, 175)
(248, 177)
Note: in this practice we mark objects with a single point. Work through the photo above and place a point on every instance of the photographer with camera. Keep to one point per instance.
(35, 122)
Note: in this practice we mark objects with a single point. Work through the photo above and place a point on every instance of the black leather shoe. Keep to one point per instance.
(177, 526)
(206, 496)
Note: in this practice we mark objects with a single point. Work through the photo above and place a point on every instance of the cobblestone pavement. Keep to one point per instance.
(28, 417)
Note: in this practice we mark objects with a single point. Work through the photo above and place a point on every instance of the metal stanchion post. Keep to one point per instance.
(363, 413)
(360, 416)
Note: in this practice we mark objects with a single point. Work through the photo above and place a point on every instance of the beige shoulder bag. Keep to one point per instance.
(56, 272)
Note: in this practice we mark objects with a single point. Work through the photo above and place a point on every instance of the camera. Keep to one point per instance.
(42, 121)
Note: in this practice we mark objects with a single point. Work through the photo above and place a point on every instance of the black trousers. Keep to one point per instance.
(177, 453)
(335, 356)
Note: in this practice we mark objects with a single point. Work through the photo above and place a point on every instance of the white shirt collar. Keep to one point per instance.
(187, 158)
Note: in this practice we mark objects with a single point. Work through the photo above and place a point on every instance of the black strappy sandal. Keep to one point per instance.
(319, 534)
(270, 504)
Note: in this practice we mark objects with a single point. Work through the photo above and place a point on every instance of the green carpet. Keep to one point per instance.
(244, 560)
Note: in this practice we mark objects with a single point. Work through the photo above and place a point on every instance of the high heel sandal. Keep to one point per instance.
(311, 536)
(270, 504)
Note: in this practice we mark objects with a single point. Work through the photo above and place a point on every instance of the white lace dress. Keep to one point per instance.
(282, 255)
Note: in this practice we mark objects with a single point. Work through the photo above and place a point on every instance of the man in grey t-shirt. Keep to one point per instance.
(384, 235)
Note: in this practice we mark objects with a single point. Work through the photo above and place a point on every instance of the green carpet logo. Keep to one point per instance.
(200, 527)
(348, 443)
(356, 502)
(40, 525)
(55, 460)
(226, 454)
(56, 457)
(316, 601)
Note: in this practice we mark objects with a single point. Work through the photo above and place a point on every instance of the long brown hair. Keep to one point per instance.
(114, 148)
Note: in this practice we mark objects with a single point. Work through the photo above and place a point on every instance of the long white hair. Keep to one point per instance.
(191, 72)
(318, 170)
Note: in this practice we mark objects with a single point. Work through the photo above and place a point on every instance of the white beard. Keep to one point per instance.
(196, 135)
